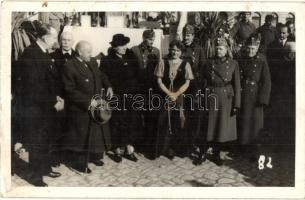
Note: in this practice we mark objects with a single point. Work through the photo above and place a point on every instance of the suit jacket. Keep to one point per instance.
(59, 59)
(37, 96)
(81, 83)
(147, 62)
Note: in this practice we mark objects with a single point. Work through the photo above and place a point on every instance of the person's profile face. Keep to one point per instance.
(86, 52)
(149, 41)
(50, 39)
(175, 52)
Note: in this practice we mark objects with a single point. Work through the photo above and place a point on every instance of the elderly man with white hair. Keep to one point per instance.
(59, 57)
(84, 139)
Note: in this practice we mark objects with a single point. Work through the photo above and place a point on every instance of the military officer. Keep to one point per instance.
(223, 82)
(148, 58)
(193, 53)
(256, 87)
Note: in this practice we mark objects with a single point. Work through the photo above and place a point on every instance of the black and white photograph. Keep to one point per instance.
(153, 99)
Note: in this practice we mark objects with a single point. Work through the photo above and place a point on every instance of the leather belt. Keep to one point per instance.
(219, 84)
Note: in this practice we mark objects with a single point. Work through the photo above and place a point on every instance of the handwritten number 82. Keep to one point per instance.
(261, 162)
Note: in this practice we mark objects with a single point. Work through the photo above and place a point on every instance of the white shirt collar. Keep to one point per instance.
(69, 52)
(38, 42)
(283, 41)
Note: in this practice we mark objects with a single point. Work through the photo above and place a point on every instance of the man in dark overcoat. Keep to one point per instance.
(59, 57)
(82, 80)
(256, 88)
(148, 57)
(223, 83)
(39, 102)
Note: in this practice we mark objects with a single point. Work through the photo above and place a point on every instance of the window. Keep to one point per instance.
(276, 18)
(256, 19)
(290, 17)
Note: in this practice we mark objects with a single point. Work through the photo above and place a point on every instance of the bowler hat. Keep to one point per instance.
(119, 40)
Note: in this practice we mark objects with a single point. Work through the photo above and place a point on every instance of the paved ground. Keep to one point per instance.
(163, 172)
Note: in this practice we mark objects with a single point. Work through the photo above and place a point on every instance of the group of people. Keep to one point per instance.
(56, 90)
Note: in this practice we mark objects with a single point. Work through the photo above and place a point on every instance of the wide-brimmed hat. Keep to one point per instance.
(119, 40)
(100, 113)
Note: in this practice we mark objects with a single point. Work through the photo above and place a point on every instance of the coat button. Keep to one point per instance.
(212, 77)
(227, 66)
(226, 79)
(87, 80)
(213, 66)
(224, 90)
(227, 73)
(254, 65)
(213, 72)
(253, 70)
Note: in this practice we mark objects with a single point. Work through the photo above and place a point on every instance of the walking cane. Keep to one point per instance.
(168, 108)
(90, 121)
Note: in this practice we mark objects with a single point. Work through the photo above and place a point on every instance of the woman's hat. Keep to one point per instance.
(119, 40)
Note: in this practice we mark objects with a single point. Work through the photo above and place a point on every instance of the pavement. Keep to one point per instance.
(236, 171)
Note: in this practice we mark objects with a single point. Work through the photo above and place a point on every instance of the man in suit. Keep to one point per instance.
(59, 57)
(148, 58)
(84, 139)
(282, 99)
(39, 102)
(276, 50)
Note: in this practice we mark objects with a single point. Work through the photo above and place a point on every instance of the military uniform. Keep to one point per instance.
(223, 82)
(241, 31)
(256, 87)
(148, 57)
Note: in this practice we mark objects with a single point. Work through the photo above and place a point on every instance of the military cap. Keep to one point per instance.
(149, 33)
(188, 29)
(221, 41)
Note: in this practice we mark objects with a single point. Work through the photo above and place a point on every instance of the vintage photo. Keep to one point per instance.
(153, 99)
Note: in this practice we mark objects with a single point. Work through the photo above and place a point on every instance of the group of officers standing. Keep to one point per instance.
(55, 91)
